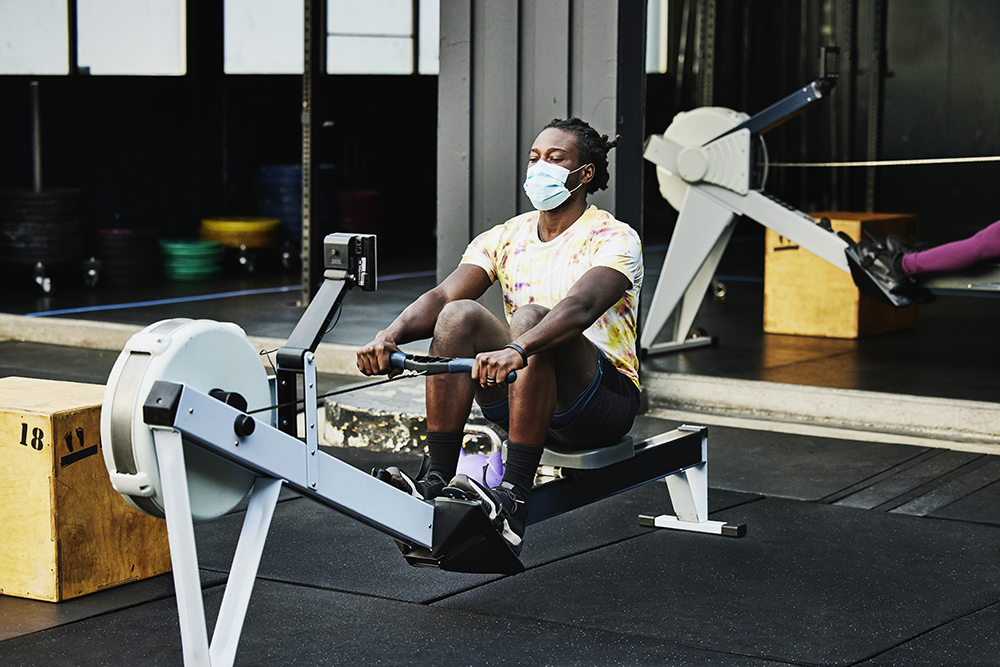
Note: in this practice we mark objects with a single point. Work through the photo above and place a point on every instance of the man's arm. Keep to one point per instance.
(417, 321)
(591, 296)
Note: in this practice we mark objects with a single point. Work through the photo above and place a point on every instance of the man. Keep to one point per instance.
(571, 276)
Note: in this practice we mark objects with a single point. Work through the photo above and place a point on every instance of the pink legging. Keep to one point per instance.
(956, 256)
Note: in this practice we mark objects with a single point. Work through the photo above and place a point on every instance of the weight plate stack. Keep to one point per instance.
(279, 195)
(186, 260)
(129, 257)
(40, 226)
(241, 231)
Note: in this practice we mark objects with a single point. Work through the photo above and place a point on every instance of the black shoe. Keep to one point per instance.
(427, 485)
(505, 509)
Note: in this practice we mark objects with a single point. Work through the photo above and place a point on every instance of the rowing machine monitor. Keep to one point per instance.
(351, 257)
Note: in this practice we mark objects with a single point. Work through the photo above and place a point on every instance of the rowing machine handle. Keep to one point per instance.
(436, 365)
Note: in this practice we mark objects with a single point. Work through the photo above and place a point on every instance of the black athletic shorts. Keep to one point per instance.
(600, 415)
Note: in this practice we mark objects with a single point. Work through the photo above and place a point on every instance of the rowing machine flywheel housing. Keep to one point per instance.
(201, 354)
(698, 127)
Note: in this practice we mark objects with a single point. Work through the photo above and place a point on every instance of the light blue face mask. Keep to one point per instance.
(545, 185)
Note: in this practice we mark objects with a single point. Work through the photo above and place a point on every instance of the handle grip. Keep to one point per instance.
(436, 365)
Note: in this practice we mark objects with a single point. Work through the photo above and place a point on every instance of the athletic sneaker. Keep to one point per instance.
(506, 510)
(427, 485)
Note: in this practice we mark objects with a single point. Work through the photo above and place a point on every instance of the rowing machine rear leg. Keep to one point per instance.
(688, 490)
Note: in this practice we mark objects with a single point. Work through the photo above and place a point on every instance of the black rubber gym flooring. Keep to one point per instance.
(834, 570)
(856, 553)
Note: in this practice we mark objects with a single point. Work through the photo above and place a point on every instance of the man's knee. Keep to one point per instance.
(525, 318)
(458, 311)
(457, 317)
(465, 327)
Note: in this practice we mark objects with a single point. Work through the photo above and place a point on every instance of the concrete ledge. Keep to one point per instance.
(73, 333)
(930, 419)
(935, 418)
(330, 357)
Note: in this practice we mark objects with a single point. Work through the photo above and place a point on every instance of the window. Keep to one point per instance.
(148, 37)
(34, 37)
(657, 37)
(132, 38)
(372, 37)
(263, 36)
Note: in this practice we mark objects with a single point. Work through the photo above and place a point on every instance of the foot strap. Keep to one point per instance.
(464, 541)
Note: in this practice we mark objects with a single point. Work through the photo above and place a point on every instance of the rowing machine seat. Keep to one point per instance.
(588, 459)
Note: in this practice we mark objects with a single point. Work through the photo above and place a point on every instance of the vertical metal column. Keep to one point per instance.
(454, 141)
(74, 37)
(876, 88)
(706, 52)
(631, 103)
(415, 33)
(593, 75)
(684, 51)
(545, 91)
(847, 93)
(307, 101)
(36, 136)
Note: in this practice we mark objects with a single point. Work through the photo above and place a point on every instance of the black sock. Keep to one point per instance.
(520, 466)
(444, 447)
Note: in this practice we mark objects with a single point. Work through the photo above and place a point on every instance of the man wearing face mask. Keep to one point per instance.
(570, 275)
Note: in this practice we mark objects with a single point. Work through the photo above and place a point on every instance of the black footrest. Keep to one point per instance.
(464, 541)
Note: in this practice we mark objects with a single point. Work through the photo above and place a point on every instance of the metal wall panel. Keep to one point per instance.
(594, 76)
(543, 71)
(454, 159)
(941, 101)
(496, 177)
(508, 67)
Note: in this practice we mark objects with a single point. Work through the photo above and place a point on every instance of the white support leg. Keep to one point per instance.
(703, 227)
(184, 557)
(689, 495)
(183, 554)
(695, 293)
(243, 572)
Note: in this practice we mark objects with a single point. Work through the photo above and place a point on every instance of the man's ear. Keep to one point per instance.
(587, 173)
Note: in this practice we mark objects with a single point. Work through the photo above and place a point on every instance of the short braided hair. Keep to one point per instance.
(593, 149)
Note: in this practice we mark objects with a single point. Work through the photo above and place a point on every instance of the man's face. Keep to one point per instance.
(557, 147)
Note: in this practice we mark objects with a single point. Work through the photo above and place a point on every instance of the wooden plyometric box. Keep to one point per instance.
(65, 531)
(807, 296)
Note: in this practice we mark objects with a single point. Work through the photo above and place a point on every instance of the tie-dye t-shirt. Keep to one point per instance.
(531, 271)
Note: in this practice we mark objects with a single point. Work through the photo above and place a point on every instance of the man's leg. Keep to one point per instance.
(463, 329)
(552, 380)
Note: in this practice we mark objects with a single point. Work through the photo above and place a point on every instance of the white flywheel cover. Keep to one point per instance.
(690, 129)
(202, 354)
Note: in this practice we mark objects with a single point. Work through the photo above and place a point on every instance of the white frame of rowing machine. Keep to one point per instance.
(188, 415)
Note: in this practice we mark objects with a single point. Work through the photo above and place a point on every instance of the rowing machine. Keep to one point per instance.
(189, 430)
(712, 166)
